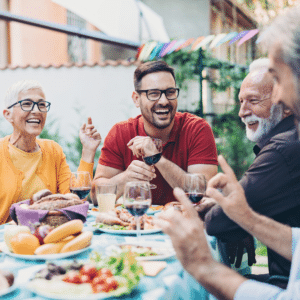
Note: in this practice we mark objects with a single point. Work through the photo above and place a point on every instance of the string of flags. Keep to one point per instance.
(151, 50)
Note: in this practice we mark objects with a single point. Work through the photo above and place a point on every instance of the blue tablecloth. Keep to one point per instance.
(172, 283)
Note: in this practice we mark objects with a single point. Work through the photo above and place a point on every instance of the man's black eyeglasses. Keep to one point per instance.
(155, 94)
(28, 105)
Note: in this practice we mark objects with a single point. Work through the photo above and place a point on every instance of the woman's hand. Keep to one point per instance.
(90, 139)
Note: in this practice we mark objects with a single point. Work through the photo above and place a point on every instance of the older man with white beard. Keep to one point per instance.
(271, 183)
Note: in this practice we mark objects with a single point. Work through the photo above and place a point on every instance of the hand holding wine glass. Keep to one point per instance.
(80, 183)
(194, 186)
(137, 200)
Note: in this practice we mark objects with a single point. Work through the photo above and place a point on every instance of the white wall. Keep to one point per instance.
(104, 93)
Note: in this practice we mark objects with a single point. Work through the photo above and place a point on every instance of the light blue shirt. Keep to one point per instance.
(251, 289)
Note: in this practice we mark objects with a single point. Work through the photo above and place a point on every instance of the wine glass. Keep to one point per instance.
(153, 159)
(137, 200)
(80, 183)
(194, 187)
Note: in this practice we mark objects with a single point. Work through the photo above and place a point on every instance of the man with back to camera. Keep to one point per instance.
(188, 142)
(274, 175)
(282, 40)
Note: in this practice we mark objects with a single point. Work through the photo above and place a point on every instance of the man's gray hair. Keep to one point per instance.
(14, 90)
(286, 30)
(261, 63)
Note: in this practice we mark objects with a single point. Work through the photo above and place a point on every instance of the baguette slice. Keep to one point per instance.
(81, 241)
(63, 231)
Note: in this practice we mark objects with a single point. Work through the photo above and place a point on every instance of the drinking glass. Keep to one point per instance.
(137, 200)
(106, 196)
(151, 160)
(80, 183)
(194, 187)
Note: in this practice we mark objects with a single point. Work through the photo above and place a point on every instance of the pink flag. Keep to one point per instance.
(248, 36)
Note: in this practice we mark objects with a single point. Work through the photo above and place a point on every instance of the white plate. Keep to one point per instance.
(152, 212)
(93, 213)
(45, 256)
(166, 250)
(30, 272)
(10, 289)
(126, 232)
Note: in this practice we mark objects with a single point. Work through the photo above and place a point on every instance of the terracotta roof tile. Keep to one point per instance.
(113, 63)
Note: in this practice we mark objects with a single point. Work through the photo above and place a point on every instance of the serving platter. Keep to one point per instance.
(45, 256)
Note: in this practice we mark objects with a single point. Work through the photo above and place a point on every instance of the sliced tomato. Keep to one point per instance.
(89, 270)
(100, 288)
(105, 272)
(72, 277)
(85, 279)
(112, 283)
(99, 280)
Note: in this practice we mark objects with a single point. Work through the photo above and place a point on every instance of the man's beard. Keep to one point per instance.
(264, 125)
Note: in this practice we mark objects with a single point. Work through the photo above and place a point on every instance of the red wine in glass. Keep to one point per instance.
(195, 197)
(81, 192)
(153, 159)
(137, 209)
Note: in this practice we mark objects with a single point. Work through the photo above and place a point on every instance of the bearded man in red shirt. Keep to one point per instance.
(188, 142)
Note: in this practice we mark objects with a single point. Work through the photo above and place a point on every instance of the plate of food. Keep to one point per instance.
(122, 222)
(66, 240)
(153, 209)
(93, 279)
(7, 282)
(145, 250)
(122, 230)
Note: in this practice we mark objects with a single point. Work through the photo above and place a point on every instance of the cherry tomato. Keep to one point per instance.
(106, 272)
(72, 277)
(99, 280)
(85, 279)
(89, 270)
(112, 283)
(98, 288)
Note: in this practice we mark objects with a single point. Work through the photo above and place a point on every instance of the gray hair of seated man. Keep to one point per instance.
(14, 90)
(260, 63)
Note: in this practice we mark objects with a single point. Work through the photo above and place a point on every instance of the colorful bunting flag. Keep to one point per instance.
(185, 44)
(239, 36)
(248, 36)
(152, 50)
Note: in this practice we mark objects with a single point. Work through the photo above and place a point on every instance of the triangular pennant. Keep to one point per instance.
(227, 38)
(185, 44)
(216, 40)
(248, 36)
(176, 45)
(197, 42)
(147, 51)
(168, 48)
(139, 50)
(204, 42)
(156, 50)
(163, 49)
(239, 36)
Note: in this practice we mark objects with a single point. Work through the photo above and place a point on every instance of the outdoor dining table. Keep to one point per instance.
(171, 283)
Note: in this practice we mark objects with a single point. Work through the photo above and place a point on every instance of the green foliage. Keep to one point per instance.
(260, 249)
(51, 131)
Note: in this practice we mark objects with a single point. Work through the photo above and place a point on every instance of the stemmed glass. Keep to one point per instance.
(151, 160)
(194, 187)
(80, 184)
(137, 200)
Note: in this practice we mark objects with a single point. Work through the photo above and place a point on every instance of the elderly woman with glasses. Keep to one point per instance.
(28, 164)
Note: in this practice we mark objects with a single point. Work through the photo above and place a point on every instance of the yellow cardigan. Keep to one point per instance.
(54, 172)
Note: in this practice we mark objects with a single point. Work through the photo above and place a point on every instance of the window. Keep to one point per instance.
(77, 47)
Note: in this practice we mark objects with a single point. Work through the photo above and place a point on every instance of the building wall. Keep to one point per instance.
(104, 93)
(183, 19)
(3, 36)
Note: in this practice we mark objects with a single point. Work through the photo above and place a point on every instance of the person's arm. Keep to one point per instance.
(274, 235)
(136, 171)
(267, 185)
(174, 175)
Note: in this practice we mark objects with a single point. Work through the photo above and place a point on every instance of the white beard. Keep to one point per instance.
(264, 125)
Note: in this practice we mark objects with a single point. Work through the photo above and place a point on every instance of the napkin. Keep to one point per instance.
(28, 217)
(152, 268)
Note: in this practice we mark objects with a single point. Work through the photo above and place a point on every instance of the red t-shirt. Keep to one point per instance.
(191, 142)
